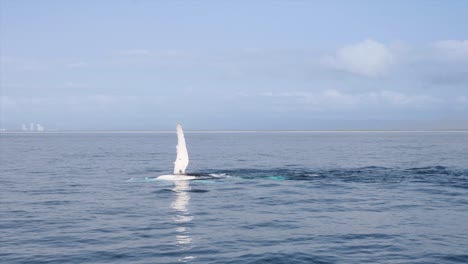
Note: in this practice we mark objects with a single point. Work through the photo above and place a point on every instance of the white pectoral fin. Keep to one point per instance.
(182, 159)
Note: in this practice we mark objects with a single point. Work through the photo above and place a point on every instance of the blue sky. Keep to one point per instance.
(143, 65)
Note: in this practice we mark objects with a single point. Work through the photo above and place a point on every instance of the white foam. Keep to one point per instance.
(141, 180)
(175, 178)
(219, 175)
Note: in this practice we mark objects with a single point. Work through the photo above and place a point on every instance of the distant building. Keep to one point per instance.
(39, 127)
(24, 128)
(31, 126)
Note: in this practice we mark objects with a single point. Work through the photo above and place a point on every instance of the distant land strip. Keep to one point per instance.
(225, 131)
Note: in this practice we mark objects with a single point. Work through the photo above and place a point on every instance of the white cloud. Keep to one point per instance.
(368, 58)
(71, 84)
(7, 102)
(97, 100)
(462, 99)
(9, 63)
(77, 64)
(334, 99)
(135, 52)
(453, 49)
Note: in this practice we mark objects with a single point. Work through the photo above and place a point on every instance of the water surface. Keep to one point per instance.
(279, 198)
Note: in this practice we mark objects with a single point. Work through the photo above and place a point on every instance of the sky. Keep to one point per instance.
(234, 65)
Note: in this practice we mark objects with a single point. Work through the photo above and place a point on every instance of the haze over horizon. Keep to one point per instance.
(216, 65)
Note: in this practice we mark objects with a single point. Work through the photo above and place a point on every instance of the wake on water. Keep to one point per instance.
(440, 175)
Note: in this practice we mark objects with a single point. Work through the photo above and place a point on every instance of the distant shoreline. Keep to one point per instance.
(224, 131)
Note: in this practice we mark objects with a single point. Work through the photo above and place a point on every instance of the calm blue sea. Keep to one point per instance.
(315, 197)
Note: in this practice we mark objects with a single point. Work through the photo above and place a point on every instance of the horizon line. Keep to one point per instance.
(230, 131)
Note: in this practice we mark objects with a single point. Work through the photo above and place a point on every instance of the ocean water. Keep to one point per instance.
(322, 197)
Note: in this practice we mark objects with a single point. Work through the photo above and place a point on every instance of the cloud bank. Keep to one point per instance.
(358, 80)
(334, 99)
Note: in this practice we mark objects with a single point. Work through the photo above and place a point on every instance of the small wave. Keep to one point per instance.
(142, 180)
(197, 191)
(454, 258)
(272, 258)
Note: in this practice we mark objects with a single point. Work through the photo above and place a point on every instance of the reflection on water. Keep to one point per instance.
(182, 215)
